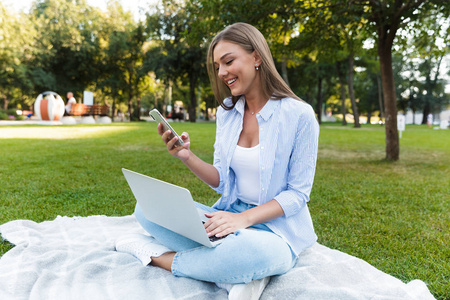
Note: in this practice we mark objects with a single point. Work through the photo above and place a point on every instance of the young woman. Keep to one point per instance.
(264, 164)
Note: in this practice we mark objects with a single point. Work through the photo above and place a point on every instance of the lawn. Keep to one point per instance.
(393, 215)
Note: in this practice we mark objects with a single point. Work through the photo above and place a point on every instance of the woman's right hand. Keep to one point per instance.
(181, 152)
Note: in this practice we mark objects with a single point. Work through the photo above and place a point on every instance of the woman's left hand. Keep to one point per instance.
(222, 223)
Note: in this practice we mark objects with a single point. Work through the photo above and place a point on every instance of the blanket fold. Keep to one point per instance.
(74, 258)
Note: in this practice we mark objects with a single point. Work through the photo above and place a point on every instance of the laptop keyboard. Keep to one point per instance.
(215, 238)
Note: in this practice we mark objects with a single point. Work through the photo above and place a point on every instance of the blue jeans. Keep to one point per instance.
(242, 257)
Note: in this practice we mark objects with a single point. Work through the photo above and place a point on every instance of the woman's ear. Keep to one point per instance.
(257, 58)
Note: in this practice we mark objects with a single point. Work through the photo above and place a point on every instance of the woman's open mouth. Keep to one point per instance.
(231, 81)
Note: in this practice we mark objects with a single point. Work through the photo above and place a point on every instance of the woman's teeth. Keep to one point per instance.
(231, 81)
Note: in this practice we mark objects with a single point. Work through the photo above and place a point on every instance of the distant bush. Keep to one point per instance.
(338, 119)
(3, 115)
(12, 112)
(9, 114)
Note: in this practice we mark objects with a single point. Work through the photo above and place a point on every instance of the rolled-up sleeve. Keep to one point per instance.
(302, 165)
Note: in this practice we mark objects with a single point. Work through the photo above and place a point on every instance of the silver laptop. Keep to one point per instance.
(170, 206)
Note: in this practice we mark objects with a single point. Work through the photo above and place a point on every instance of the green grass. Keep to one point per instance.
(393, 215)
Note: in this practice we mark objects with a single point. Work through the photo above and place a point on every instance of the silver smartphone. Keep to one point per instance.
(156, 115)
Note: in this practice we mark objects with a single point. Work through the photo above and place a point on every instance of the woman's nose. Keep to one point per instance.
(222, 72)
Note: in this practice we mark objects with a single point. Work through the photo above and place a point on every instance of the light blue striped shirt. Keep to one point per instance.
(288, 139)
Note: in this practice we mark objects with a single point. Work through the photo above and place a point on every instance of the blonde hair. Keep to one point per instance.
(250, 39)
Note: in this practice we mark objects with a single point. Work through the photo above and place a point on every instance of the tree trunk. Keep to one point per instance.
(130, 99)
(137, 112)
(388, 18)
(380, 99)
(5, 104)
(430, 87)
(192, 98)
(351, 92)
(343, 95)
(390, 101)
(167, 97)
(113, 109)
(284, 72)
(130, 109)
(426, 111)
(319, 101)
(138, 109)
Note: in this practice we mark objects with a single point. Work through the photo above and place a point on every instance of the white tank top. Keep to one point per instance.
(245, 164)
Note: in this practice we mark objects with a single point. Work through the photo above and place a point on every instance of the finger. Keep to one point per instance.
(213, 222)
(225, 232)
(160, 129)
(185, 136)
(171, 143)
(167, 136)
(217, 226)
(221, 231)
(209, 225)
(211, 214)
(215, 216)
(216, 231)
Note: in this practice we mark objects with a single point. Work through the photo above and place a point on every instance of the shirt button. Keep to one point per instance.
(262, 147)
(263, 189)
(260, 128)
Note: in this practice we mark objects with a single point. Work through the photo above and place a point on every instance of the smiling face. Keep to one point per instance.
(236, 67)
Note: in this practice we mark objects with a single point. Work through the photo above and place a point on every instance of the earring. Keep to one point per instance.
(256, 67)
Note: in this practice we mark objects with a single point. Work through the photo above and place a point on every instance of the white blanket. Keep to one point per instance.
(74, 258)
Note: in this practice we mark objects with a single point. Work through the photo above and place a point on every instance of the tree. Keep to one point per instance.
(122, 75)
(338, 40)
(67, 45)
(388, 18)
(340, 71)
(430, 55)
(277, 20)
(175, 56)
(16, 35)
(385, 19)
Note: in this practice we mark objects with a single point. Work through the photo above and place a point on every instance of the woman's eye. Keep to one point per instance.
(229, 62)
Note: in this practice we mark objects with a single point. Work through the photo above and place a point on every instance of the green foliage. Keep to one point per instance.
(64, 45)
(9, 114)
(15, 48)
(177, 56)
(393, 215)
(67, 44)
(123, 72)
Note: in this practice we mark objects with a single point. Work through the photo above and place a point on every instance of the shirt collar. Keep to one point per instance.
(240, 105)
(265, 113)
(268, 109)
